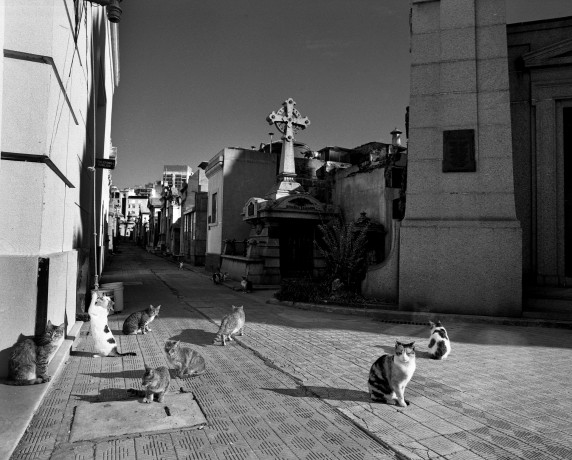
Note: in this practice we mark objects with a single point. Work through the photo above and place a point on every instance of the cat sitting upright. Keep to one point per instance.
(105, 344)
(28, 362)
(390, 374)
(138, 322)
(156, 383)
(246, 284)
(232, 323)
(187, 361)
(439, 343)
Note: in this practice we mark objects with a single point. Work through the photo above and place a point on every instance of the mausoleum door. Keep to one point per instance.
(296, 249)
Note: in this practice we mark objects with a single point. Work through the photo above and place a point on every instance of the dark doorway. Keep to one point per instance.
(567, 147)
(296, 248)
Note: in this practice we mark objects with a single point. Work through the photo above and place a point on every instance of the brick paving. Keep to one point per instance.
(295, 385)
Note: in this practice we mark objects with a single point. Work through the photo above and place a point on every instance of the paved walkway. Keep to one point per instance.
(295, 385)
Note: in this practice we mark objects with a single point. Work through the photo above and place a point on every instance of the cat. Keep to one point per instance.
(232, 323)
(156, 383)
(246, 284)
(219, 277)
(105, 344)
(186, 360)
(28, 362)
(138, 322)
(390, 374)
(439, 343)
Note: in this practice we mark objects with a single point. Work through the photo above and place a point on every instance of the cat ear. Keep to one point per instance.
(431, 324)
(438, 323)
(50, 325)
(147, 369)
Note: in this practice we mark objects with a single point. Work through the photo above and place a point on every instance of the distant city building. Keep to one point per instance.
(176, 175)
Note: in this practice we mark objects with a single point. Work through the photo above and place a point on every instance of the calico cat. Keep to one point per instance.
(186, 360)
(105, 344)
(28, 362)
(246, 284)
(390, 374)
(439, 343)
(138, 322)
(155, 381)
(232, 323)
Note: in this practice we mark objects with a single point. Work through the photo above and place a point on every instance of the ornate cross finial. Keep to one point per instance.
(288, 121)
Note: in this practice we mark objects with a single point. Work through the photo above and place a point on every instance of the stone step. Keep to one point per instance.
(548, 305)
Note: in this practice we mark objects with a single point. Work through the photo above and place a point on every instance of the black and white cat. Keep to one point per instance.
(439, 343)
(105, 344)
(246, 284)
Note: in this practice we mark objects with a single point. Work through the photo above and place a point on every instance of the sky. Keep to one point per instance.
(197, 76)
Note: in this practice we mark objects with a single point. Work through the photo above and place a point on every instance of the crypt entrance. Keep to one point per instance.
(296, 240)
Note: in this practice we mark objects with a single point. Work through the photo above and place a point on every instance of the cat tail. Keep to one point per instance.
(35, 381)
(115, 352)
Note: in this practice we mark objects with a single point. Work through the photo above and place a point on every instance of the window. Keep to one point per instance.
(213, 218)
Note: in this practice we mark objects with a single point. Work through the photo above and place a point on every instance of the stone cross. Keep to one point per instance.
(288, 121)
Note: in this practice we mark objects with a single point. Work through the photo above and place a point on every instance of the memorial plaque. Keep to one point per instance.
(459, 151)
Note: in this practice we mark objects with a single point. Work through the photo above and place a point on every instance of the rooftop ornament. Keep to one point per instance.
(288, 121)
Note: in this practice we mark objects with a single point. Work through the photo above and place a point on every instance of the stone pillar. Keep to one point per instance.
(460, 240)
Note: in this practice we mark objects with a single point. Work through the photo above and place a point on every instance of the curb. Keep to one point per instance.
(18, 404)
(422, 318)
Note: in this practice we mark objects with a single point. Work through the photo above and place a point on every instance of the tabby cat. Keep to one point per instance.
(439, 343)
(105, 344)
(138, 322)
(232, 323)
(186, 360)
(28, 362)
(155, 381)
(390, 374)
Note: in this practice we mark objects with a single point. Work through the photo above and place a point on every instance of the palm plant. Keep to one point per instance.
(343, 247)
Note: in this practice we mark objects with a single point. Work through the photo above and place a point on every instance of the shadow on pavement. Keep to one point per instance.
(195, 337)
(338, 394)
(390, 350)
(107, 394)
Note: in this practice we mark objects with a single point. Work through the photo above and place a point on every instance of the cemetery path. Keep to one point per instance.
(295, 385)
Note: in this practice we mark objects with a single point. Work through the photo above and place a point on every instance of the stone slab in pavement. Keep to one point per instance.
(116, 418)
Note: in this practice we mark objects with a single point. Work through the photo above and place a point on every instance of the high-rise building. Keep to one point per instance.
(176, 175)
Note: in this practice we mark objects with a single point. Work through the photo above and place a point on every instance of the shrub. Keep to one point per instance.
(302, 290)
(344, 249)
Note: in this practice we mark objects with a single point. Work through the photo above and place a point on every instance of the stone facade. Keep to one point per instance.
(460, 242)
(53, 95)
(540, 64)
(234, 175)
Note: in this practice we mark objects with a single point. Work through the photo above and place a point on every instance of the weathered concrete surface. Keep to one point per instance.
(116, 418)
